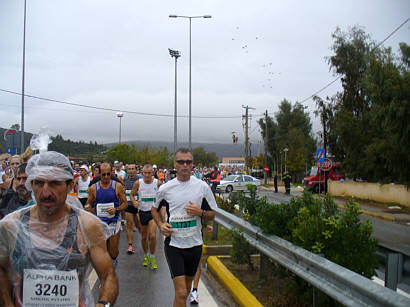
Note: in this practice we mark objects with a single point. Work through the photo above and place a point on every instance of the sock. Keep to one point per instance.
(195, 289)
(146, 254)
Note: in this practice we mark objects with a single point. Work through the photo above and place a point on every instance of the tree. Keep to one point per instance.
(203, 158)
(291, 129)
(368, 121)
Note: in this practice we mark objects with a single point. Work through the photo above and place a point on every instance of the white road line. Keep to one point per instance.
(205, 298)
(381, 283)
(92, 279)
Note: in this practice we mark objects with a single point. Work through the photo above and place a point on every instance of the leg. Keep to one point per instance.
(113, 243)
(137, 222)
(129, 218)
(196, 277)
(144, 238)
(181, 291)
(152, 229)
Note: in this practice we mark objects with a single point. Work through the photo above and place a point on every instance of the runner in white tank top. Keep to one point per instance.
(147, 188)
(81, 183)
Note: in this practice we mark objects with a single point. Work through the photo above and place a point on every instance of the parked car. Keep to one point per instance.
(236, 182)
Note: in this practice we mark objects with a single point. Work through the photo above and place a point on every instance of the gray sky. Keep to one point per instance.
(114, 54)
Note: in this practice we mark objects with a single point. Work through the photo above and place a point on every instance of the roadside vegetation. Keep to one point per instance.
(309, 222)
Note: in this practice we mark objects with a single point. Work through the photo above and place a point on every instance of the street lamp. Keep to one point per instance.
(190, 92)
(175, 54)
(285, 150)
(120, 115)
(22, 82)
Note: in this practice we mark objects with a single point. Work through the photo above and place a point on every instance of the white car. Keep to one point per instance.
(237, 182)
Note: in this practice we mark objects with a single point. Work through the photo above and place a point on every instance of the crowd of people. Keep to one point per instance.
(60, 219)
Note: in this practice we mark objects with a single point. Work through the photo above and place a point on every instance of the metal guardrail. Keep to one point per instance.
(345, 286)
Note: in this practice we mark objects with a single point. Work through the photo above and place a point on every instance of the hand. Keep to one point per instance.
(111, 210)
(166, 229)
(193, 209)
(87, 207)
(209, 228)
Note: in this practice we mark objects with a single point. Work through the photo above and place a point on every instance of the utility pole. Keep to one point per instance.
(265, 156)
(246, 116)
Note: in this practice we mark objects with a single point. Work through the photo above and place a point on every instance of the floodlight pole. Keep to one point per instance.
(175, 54)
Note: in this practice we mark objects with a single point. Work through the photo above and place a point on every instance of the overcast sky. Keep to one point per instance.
(114, 54)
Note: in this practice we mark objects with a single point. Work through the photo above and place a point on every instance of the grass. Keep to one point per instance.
(224, 237)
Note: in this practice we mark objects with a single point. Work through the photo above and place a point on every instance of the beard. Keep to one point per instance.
(22, 192)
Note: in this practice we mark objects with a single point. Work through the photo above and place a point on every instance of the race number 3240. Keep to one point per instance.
(50, 288)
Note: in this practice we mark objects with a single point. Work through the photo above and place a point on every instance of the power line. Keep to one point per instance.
(117, 110)
(377, 46)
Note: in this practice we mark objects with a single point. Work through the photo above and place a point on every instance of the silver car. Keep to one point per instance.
(237, 182)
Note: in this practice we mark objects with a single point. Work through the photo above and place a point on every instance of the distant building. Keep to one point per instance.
(232, 161)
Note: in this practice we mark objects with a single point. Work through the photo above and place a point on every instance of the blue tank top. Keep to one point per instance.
(105, 196)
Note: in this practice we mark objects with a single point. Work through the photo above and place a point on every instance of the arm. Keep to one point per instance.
(5, 293)
(121, 196)
(135, 188)
(165, 228)
(92, 194)
(101, 262)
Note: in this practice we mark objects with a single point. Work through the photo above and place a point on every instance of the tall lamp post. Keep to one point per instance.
(190, 92)
(120, 115)
(285, 150)
(175, 54)
(22, 83)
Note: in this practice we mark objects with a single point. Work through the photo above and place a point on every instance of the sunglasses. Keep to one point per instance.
(182, 162)
(105, 174)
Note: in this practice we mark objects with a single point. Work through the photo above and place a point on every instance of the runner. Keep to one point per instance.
(81, 183)
(106, 199)
(146, 189)
(188, 202)
(47, 250)
(131, 212)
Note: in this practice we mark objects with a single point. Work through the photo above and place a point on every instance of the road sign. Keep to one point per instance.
(266, 169)
(320, 155)
(326, 165)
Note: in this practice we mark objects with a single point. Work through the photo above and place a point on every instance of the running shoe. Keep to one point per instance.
(146, 261)
(153, 263)
(130, 250)
(193, 297)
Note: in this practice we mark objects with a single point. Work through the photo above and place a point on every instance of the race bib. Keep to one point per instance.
(50, 288)
(82, 193)
(127, 195)
(184, 225)
(148, 198)
(102, 210)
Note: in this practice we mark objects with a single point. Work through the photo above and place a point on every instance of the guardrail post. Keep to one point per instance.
(394, 267)
(215, 231)
(264, 266)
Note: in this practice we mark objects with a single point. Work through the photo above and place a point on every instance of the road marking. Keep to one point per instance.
(205, 298)
(381, 283)
(92, 279)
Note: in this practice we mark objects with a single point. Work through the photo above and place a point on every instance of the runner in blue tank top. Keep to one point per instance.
(106, 199)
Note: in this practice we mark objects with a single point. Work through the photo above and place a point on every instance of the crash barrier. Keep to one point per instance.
(343, 285)
(386, 193)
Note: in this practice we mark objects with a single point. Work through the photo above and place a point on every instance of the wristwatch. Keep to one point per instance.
(106, 304)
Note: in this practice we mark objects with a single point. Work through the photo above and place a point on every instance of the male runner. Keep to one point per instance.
(188, 202)
(47, 250)
(81, 183)
(147, 188)
(106, 199)
(131, 212)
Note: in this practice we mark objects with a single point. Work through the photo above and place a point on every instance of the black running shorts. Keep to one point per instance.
(131, 209)
(182, 261)
(145, 217)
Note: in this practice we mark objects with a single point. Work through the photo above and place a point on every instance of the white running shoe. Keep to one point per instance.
(193, 297)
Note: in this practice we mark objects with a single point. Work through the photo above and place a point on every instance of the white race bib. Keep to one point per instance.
(184, 225)
(127, 195)
(50, 288)
(82, 193)
(102, 210)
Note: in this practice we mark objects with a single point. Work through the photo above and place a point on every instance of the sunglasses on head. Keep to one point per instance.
(187, 162)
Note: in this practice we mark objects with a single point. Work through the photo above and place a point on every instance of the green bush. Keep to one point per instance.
(240, 252)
